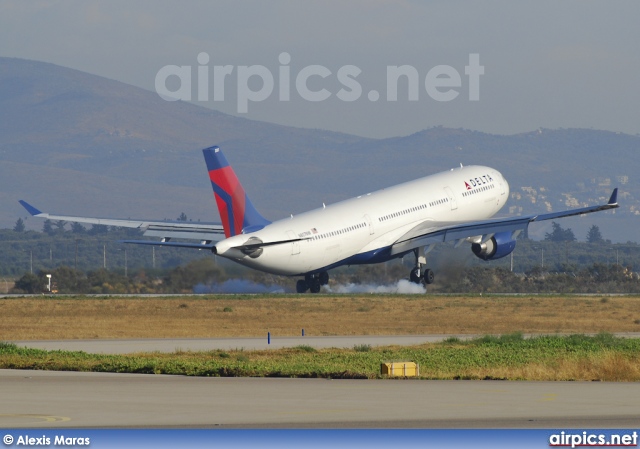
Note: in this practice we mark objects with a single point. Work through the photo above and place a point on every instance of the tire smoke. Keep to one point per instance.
(403, 286)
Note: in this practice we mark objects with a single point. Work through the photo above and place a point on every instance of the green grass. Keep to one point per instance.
(489, 357)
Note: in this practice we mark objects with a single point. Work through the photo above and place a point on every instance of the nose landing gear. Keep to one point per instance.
(417, 276)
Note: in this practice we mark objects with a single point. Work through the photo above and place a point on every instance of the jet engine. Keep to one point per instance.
(500, 245)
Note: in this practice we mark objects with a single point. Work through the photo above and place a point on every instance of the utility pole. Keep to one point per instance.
(104, 256)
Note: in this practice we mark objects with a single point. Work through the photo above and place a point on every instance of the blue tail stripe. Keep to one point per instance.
(227, 200)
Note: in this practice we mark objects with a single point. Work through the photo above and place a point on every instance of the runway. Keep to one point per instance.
(76, 400)
(127, 346)
(207, 344)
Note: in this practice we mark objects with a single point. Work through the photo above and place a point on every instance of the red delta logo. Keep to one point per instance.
(466, 184)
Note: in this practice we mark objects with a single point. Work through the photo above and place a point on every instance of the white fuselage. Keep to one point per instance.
(350, 231)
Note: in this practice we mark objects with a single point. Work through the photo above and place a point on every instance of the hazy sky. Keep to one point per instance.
(546, 63)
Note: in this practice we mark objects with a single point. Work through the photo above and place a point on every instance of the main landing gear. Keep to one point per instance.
(417, 276)
(312, 282)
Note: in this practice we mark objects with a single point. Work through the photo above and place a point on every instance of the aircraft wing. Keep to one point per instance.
(429, 233)
(166, 230)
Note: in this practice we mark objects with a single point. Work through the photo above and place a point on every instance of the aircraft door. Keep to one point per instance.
(369, 224)
(295, 246)
(452, 198)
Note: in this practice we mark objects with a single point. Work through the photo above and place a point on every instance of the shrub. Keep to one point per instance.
(305, 348)
(362, 348)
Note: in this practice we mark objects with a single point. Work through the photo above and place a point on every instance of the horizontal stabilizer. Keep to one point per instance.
(207, 246)
(251, 246)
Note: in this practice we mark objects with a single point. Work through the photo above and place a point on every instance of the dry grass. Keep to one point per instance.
(224, 316)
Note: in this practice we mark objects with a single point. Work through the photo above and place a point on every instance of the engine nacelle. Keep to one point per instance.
(498, 246)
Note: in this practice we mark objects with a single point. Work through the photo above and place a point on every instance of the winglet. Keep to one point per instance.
(614, 197)
(32, 210)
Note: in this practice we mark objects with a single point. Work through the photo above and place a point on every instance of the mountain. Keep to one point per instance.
(76, 143)
(80, 143)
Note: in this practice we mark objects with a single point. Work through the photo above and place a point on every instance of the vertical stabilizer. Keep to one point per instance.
(236, 210)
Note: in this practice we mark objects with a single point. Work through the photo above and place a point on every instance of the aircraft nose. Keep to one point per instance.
(505, 185)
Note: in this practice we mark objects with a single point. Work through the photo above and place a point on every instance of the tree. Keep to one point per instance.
(19, 227)
(559, 235)
(29, 283)
(182, 217)
(47, 227)
(77, 228)
(594, 235)
(184, 278)
(98, 229)
(69, 280)
(60, 226)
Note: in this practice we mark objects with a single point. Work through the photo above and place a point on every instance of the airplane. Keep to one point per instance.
(412, 217)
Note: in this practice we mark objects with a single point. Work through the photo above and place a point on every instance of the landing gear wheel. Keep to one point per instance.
(324, 278)
(315, 285)
(414, 276)
(301, 286)
(428, 276)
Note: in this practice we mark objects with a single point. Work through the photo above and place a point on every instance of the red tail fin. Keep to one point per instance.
(236, 210)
